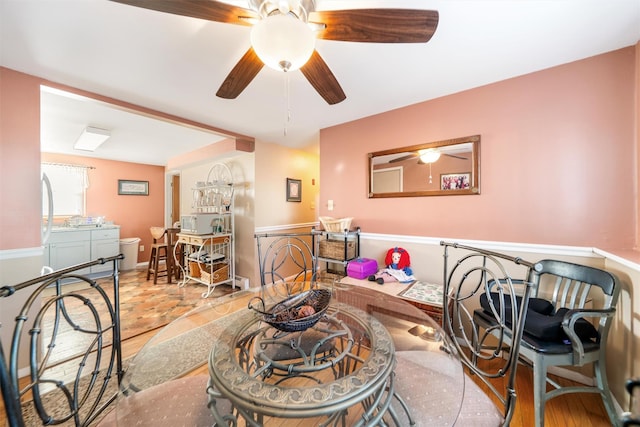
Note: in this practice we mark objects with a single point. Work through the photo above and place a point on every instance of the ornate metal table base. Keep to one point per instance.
(349, 368)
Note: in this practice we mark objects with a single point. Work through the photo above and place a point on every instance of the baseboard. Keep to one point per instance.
(241, 282)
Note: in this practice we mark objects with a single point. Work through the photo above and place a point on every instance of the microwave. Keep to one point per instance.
(199, 223)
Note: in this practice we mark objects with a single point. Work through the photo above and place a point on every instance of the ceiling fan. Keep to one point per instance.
(426, 156)
(294, 25)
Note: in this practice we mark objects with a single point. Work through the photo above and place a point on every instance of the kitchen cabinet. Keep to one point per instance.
(68, 247)
(45, 256)
(104, 243)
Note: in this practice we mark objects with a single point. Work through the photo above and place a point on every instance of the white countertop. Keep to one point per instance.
(58, 229)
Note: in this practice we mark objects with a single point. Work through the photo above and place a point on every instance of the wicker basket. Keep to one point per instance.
(335, 225)
(215, 273)
(334, 249)
(283, 316)
(194, 269)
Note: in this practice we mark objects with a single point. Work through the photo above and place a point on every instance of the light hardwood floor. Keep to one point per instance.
(575, 410)
(572, 410)
(579, 410)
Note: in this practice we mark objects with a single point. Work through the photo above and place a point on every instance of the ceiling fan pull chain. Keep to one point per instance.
(287, 102)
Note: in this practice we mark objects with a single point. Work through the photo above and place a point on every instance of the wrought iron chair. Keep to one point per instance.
(288, 260)
(632, 417)
(70, 330)
(557, 332)
(489, 363)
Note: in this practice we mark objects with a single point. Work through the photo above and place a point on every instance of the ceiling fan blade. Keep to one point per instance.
(457, 157)
(322, 79)
(403, 158)
(241, 75)
(377, 25)
(210, 10)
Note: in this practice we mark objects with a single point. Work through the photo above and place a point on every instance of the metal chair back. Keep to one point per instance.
(64, 354)
(578, 287)
(582, 296)
(472, 274)
(286, 258)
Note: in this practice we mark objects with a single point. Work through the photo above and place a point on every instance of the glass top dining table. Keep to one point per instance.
(368, 359)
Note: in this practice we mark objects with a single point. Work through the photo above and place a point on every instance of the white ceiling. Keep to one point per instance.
(175, 64)
(133, 137)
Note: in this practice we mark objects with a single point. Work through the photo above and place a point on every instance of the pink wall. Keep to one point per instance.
(20, 197)
(20, 189)
(637, 118)
(557, 159)
(134, 214)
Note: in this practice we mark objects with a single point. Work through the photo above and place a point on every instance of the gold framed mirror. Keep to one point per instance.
(441, 168)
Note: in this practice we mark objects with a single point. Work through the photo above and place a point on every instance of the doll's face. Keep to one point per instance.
(395, 257)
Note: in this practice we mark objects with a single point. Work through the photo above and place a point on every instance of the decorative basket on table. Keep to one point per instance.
(335, 225)
(297, 312)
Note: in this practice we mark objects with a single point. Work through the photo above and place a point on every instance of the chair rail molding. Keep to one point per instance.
(284, 227)
(580, 251)
(7, 254)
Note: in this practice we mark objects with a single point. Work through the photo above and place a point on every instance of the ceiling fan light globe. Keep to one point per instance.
(282, 39)
(430, 155)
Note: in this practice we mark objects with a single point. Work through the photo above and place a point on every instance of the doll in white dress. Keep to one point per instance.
(398, 268)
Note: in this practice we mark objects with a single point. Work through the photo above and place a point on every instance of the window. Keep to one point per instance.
(68, 184)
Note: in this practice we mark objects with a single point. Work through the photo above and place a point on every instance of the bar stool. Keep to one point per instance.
(159, 257)
(176, 252)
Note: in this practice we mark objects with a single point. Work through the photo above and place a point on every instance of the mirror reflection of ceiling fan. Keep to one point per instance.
(284, 34)
(427, 156)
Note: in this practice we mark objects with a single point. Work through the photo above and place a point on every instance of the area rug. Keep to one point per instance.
(151, 366)
(56, 404)
(144, 306)
(177, 356)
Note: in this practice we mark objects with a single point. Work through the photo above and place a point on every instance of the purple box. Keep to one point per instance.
(361, 268)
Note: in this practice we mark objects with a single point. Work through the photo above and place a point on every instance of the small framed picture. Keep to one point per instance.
(294, 190)
(455, 181)
(128, 187)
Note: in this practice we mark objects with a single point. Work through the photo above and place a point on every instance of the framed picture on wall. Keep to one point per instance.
(455, 181)
(294, 190)
(128, 187)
